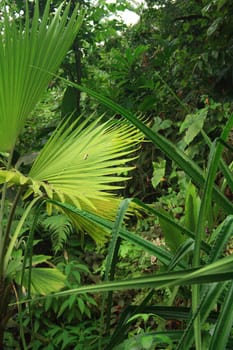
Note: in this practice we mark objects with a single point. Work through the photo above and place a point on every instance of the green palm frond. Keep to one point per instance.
(29, 53)
(43, 280)
(83, 165)
(80, 164)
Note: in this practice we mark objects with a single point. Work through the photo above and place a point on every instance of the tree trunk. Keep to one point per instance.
(78, 55)
(5, 312)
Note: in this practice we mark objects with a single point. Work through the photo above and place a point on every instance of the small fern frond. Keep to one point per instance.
(60, 228)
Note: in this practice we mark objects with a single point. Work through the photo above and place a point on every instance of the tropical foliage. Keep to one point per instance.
(72, 156)
(149, 103)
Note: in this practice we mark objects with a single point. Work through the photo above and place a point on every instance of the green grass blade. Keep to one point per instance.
(214, 159)
(215, 272)
(224, 325)
(112, 253)
(222, 165)
(166, 312)
(203, 214)
(182, 251)
(28, 256)
(112, 258)
(209, 298)
(224, 233)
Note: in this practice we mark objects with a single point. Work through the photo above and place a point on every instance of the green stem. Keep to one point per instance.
(17, 232)
(5, 312)
(4, 189)
(3, 199)
(180, 102)
(10, 220)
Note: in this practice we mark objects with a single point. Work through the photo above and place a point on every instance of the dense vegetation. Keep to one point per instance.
(116, 214)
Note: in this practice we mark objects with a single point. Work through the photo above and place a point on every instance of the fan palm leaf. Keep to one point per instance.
(85, 161)
(83, 164)
(29, 53)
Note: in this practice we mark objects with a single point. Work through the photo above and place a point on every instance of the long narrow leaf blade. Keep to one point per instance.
(220, 271)
(224, 325)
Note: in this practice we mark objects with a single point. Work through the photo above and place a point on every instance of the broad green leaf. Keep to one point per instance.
(81, 305)
(44, 280)
(147, 341)
(192, 206)
(158, 172)
(173, 237)
(144, 340)
(193, 124)
(69, 102)
(39, 259)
